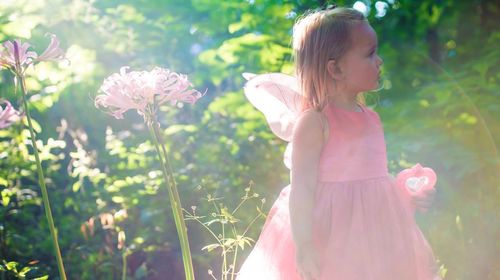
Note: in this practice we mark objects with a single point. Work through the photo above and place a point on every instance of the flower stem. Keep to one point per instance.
(41, 181)
(235, 251)
(174, 199)
(124, 265)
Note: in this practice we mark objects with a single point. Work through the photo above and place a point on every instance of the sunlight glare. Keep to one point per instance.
(360, 6)
(381, 8)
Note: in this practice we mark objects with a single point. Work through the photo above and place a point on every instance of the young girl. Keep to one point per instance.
(343, 217)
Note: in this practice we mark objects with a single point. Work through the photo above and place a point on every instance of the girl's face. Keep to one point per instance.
(360, 65)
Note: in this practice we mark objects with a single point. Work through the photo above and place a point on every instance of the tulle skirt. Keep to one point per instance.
(363, 230)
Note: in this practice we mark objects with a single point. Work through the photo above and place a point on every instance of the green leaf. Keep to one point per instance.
(173, 129)
(229, 242)
(5, 197)
(12, 266)
(76, 186)
(118, 199)
(242, 240)
(228, 216)
(211, 247)
(3, 182)
(25, 270)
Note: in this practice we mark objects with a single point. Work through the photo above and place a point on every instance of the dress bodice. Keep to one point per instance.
(355, 148)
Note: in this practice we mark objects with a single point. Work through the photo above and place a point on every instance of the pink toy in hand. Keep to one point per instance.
(419, 181)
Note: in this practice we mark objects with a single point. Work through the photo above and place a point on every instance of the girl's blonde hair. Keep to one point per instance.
(317, 38)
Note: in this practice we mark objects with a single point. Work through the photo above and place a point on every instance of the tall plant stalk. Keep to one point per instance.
(173, 194)
(124, 265)
(163, 85)
(41, 178)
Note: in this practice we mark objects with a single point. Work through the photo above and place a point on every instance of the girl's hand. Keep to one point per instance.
(307, 261)
(424, 199)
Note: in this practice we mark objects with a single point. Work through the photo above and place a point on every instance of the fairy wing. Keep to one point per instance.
(277, 96)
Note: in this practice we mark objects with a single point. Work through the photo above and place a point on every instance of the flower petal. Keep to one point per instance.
(53, 52)
(8, 57)
(139, 89)
(9, 115)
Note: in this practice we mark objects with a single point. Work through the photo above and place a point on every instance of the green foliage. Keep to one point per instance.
(13, 270)
(439, 105)
(228, 231)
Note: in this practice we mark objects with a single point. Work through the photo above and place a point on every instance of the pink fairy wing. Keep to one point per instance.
(287, 157)
(277, 96)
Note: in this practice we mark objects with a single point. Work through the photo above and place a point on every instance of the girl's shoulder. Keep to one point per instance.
(372, 112)
(312, 123)
(373, 115)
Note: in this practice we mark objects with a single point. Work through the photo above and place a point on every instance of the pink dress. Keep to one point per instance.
(363, 225)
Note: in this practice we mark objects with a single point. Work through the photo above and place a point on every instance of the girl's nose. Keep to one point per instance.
(380, 61)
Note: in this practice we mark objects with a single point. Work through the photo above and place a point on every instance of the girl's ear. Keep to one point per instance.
(334, 70)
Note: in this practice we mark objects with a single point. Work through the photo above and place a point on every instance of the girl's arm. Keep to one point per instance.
(307, 144)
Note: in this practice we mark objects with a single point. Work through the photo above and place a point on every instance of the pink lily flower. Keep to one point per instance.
(12, 49)
(9, 115)
(8, 54)
(120, 94)
(53, 51)
(141, 90)
(174, 87)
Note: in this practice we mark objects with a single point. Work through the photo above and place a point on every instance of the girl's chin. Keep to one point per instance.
(375, 86)
(378, 84)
